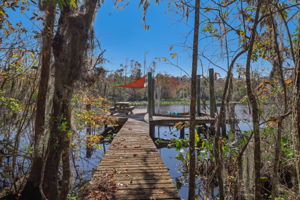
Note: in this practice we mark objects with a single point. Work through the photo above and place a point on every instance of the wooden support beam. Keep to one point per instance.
(212, 97)
(181, 133)
(152, 130)
(198, 130)
(150, 95)
(153, 96)
(198, 94)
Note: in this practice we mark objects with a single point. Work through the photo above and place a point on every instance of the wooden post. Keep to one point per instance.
(181, 133)
(150, 96)
(232, 120)
(153, 96)
(158, 131)
(212, 98)
(152, 130)
(89, 149)
(198, 128)
(198, 95)
(105, 127)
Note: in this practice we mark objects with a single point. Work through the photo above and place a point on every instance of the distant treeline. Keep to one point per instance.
(167, 87)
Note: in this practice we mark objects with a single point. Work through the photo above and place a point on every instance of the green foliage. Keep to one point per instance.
(180, 157)
(65, 127)
(207, 9)
(11, 104)
(209, 28)
(94, 117)
(181, 143)
(206, 147)
(267, 131)
(263, 178)
(64, 3)
(244, 100)
(158, 141)
(286, 147)
(30, 150)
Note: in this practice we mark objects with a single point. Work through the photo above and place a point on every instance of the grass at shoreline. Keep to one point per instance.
(175, 102)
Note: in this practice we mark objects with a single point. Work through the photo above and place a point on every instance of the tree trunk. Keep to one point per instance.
(193, 104)
(288, 32)
(89, 149)
(296, 110)
(278, 65)
(220, 120)
(33, 189)
(70, 49)
(66, 183)
(61, 128)
(254, 106)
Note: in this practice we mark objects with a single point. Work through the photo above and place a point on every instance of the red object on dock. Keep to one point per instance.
(140, 83)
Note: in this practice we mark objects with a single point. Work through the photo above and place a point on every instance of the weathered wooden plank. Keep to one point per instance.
(145, 182)
(114, 158)
(169, 192)
(168, 121)
(144, 196)
(146, 193)
(135, 170)
(171, 121)
(122, 186)
(138, 176)
(132, 165)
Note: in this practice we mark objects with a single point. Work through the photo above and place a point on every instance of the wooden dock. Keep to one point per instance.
(171, 120)
(137, 166)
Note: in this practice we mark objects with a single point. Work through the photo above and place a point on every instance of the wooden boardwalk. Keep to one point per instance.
(139, 170)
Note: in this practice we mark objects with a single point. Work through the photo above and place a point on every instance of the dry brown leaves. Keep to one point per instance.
(103, 188)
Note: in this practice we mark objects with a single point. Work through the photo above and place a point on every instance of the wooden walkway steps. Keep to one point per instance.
(139, 170)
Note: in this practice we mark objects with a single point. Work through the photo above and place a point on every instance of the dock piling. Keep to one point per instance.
(212, 97)
(150, 95)
(198, 94)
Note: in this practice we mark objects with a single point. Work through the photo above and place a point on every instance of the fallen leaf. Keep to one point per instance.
(288, 81)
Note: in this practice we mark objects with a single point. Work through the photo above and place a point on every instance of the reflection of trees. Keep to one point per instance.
(173, 87)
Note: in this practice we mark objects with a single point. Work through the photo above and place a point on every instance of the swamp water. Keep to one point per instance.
(87, 165)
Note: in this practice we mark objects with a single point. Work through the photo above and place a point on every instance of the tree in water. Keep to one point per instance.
(70, 49)
(254, 106)
(193, 104)
(32, 189)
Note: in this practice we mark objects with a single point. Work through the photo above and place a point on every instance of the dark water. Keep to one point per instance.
(164, 109)
(87, 165)
(168, 154)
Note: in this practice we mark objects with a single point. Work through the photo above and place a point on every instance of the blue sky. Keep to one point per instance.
(123, 37)
(122, 34)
